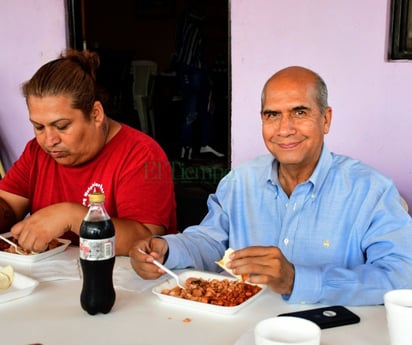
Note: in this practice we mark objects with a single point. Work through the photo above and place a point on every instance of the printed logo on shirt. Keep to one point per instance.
(93, 188)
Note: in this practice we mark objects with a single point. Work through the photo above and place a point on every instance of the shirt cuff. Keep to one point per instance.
(172, 260)
(167, 252)
(307, 286)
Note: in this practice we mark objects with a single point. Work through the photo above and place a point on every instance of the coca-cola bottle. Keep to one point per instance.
(97, 256)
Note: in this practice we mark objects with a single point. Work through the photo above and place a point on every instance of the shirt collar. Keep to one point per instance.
(321, 169)
(317, 177)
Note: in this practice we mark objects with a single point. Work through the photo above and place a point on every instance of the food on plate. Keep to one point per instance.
(225, 292)
(223, 261)
(5, 247)
(6, 277)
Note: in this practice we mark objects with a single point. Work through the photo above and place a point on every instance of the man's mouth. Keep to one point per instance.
(288, 146)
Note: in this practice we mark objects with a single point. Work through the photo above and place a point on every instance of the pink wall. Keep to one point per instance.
(346, 43)
(31, 33)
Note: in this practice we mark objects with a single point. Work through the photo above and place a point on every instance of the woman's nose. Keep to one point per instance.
(51, 138)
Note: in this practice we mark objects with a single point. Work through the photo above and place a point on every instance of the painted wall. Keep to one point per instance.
(31, 33)
(346, 43)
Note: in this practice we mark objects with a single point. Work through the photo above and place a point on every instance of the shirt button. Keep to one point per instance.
(286, 241)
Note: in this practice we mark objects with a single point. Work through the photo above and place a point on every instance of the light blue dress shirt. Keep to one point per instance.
(344, 229)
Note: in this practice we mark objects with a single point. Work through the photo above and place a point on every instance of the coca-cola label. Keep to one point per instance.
(96, 250)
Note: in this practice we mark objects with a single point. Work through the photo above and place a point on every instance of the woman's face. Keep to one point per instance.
(65, 133)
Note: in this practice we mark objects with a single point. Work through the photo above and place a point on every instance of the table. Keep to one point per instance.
(52, 315)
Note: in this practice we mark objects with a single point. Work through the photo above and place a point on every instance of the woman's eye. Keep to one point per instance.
(61, 128)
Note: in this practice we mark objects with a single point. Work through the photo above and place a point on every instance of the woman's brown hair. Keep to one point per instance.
(73, 74)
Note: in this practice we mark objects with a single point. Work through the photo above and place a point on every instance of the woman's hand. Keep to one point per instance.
(36, 231)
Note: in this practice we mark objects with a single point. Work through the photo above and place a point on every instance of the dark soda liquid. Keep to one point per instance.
(98, 294)
(97, 230)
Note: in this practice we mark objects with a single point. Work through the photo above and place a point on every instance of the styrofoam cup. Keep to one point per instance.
(398, 305)
(288, 330)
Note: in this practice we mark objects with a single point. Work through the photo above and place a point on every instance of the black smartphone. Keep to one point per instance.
(327, 317)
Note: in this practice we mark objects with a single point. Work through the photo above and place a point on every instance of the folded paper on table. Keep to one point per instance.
(124, 277)
(56, 270)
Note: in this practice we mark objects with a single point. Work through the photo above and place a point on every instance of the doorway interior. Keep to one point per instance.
(128, 30)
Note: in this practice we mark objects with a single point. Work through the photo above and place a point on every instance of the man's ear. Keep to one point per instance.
(327, 120)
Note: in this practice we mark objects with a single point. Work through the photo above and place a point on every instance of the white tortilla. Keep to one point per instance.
(223, 261)
(6, 277)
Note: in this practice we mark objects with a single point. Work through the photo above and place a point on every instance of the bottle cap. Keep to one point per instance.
(96, 197)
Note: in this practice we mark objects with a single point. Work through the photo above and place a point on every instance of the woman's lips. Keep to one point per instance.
(57, 154)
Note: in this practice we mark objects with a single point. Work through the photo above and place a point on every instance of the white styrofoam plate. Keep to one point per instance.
(247, 338)
(171, 283)
(10, 257)
(21, 286)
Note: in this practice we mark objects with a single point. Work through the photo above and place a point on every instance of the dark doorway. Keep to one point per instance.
(128, 30)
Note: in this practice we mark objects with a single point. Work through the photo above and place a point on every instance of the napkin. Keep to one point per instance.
(48, 270)
(124, 277)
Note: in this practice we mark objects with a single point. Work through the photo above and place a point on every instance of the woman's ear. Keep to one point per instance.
(97, 113)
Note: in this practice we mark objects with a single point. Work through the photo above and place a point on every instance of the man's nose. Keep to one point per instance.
(285, 124)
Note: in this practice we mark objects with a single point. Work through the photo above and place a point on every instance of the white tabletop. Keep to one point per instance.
(52, 315)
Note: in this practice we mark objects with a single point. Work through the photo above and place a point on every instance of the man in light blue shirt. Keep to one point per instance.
(314, 226)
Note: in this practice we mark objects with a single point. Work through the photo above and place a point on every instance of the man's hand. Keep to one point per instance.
(264, 265)
(156, 248)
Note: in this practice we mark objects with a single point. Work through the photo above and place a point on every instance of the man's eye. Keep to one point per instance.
(270, 114)
(300, 112)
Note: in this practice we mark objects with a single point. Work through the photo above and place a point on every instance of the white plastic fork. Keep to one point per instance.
(18, 249)
(164, 268)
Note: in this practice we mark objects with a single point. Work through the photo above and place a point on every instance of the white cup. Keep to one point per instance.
(288, 330)
(398, 304)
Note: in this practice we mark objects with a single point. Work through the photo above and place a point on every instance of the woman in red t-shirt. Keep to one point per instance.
(78, 150)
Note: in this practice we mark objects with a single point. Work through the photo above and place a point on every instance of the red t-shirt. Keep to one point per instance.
(132, 170)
